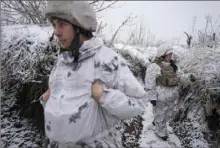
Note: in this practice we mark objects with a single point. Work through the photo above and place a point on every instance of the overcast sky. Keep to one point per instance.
(166, 20)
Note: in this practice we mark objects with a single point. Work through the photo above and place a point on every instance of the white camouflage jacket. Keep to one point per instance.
(159, 93)
(71, 114)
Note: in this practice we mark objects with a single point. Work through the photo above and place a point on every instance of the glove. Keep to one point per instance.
(192, 78)
(153, 102)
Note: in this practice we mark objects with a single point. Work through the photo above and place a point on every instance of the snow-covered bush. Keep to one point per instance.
(137, 58)
(197, 123)
(27, 59)
(204, 64)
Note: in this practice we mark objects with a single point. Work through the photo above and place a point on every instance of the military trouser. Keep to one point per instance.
(163, 111)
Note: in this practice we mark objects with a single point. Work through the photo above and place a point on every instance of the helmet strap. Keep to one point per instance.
(75, 45)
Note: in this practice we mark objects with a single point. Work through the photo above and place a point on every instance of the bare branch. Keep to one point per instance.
(193, 27)
(108, 6)
(101, 27)
(122, 24)
(26, 11)
(186, 34)
(30, 11)
(93, 2)
(189, 39)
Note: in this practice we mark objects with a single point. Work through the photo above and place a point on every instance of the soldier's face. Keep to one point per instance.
(168, 58)
(64, 32)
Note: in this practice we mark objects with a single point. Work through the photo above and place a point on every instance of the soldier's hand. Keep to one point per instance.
(97, 90)
(46, 95)
(153, 102)
(192, 78)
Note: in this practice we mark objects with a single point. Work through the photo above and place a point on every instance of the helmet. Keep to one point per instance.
(78, 13)
(164, 50)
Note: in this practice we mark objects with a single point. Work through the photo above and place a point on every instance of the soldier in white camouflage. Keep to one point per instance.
(161, 83)
(91, 88)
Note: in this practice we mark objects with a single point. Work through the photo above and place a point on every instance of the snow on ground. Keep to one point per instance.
(149, 139)
(134, 51)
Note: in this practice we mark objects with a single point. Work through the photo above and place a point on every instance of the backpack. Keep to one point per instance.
(168, 77)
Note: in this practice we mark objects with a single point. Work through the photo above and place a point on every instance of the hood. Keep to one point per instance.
(88, 49)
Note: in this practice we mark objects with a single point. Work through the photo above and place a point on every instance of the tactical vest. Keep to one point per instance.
(168, 77)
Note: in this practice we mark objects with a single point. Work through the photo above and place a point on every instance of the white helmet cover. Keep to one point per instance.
(78, 13)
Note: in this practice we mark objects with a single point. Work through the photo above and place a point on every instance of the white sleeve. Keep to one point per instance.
(129, 99)
(152, 72)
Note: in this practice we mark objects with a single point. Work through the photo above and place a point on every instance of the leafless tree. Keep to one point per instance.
(139, 37)
(152, 41)
(99, 6)
(125, 22)
(30, 12)
(210, 33)
(22, 12)
(194, 26)
(101, 26)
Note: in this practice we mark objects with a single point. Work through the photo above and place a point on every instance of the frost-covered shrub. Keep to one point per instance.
(27, 59)
(200, 98)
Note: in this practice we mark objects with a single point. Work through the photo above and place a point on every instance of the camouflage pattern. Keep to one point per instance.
(168, 77)
(165, 97)
(72, 115)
